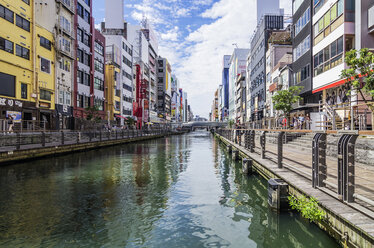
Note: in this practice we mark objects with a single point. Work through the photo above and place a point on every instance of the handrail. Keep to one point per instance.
(359, 132)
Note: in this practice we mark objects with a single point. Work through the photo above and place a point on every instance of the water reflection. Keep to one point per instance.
(181, 191)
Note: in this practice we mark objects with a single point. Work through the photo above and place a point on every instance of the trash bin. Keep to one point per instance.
(278, 194)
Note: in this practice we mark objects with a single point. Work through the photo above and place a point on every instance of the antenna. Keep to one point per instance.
(235, 44)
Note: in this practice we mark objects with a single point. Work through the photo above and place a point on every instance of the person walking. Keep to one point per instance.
(10, 124)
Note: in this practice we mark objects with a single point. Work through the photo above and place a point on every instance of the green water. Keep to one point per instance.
(181, 191)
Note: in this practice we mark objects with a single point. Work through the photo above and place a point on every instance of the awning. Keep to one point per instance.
(119, 116)
(333, 85)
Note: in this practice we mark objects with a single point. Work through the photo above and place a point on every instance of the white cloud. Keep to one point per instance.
(171, 35)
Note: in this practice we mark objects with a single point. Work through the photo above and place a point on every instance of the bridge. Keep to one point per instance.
(203, 125)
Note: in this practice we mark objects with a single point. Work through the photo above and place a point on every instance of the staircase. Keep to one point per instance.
(332, 120)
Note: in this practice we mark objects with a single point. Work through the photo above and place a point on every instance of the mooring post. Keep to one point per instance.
(90, 134)
(263, 144)
(43, 138)
(247, 166)
(78, 137)
(62, 138)
(280, 149)
(252, 144)
(18, 141)
(319, 169)
(235, 155)
(100, 135)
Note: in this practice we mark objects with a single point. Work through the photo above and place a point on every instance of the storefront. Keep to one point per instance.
(63, 117)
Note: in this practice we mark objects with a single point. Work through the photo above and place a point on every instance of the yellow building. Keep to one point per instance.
(25, 76)
(113, 92)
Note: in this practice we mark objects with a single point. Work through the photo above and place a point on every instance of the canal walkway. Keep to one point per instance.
(345, 222)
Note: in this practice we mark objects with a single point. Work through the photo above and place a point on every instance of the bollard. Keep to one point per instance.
(229, 148)
(78, 137)
(263, 144)
(100, 136)
(235, 155)
(90, 136)
(18, 143)
(43, 138)
(247, 166)
(108, 135)
(62, 138)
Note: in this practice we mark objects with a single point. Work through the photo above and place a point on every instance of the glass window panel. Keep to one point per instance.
(333, 12)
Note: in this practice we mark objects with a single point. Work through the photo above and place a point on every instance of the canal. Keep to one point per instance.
(180, 191)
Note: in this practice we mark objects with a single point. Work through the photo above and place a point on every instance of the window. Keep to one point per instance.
(67, 98)
(302, 48)
(22, 52)
(8, 85)
(67, 2)
(99, 104)
(80, 10)
(86, 102)
(99, 48)
(6, 13)
(86, 39)
(86, 79)
(80, 55)
(80, 35)
(45, 65)
(65, 45)
(87, 2)
(80, 77)
(99, 84)
(26, 1)
(99, 66)
(23, 91)
(61, 96)
(302, 22)
(6, 45)
(22, 23)
(65, 65)
(65, 24)
(302, 74)
(86, 16)
(329, 57)
(45, 43)
(87, 59)
(45, 95)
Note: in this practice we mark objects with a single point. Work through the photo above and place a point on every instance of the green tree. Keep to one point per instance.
(231, 123)
(284, 99)
(361, 69)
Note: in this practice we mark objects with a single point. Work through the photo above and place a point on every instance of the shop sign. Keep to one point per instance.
(10, 102)
(17, 116)
(65, 108)
(44, 105)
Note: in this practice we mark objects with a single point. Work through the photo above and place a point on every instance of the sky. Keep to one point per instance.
(194, 35)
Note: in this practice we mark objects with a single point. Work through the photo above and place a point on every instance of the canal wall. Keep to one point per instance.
(350, 227)
(27, 154)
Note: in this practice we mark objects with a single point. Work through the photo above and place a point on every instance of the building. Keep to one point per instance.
(175, 99)
(113, 84)
(259, 47)
(164, 89)
(84, 64)
(220, 103)
(278, 57)
(237, 66)
(152, 59)
(267, 7)
(302, 39)
(248, 89)
(215, 113)
(98, 86)
(115, 31)
(240, 98)
(226, 86)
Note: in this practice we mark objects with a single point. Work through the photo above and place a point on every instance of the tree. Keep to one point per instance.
(361, 69)
(230, 123)
(284, 99)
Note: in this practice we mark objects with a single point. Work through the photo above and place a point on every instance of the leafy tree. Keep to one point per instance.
(93, 114)
(361, 69)
(231, 123)
(130, 121)
(284, 99)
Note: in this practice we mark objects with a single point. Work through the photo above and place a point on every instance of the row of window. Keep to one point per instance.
(99, 66)
(126, 61)
(98, 84)
(8, 46)
(83, 78)
(126, 75)
(65, 24)
(47, 44)
(83, 13)
(8, 15)
(83, 37)
(303, 20)
(126, 87)
(65, 65)
(99, 104)
(64, 98)
(83, 101)
(99, 49)
(127, 48)
(84, 57)
(302, 74)
(127, 99)
(302, 48)
(329, 57)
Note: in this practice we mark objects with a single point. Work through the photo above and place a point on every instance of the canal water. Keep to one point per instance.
(180, 191)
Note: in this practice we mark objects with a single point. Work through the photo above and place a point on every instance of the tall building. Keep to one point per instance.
(58, 18)
(175, 99)
(98, 87)
(259, 42)
(225, 85)
(220, 102)
(302, 38)
(237, 63)
(84, 64)
(164, 89)
(113, 84)
(152, 63)
(121, 51)
(334, 34)
(268, 7)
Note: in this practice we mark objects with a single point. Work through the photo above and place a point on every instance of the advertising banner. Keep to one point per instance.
(17, 116)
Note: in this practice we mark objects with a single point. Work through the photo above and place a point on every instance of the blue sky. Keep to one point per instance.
(194, 35)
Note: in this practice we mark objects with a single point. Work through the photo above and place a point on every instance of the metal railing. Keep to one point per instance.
(341, 176)
(25, 141)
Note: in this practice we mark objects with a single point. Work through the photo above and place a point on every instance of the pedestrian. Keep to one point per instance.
(301, 121)
(308, 121)
(10, 124)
